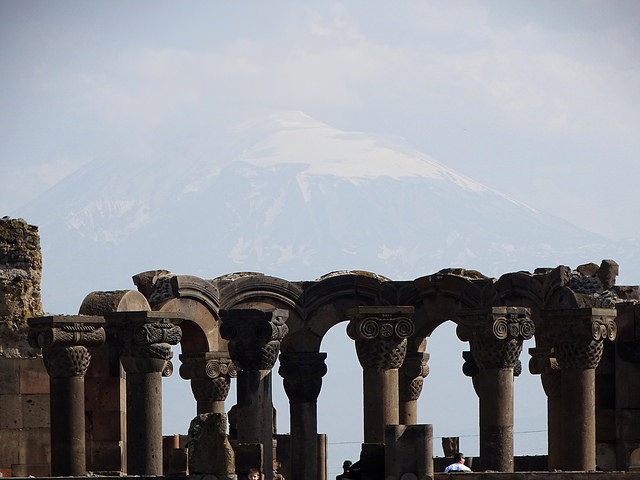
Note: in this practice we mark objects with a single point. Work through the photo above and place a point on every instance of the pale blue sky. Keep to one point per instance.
(539, 100)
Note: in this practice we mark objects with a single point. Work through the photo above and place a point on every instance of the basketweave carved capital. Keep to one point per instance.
(380, 334)
(211, 389)
(412, 374)
(495, 334)
(577, 335)
(254, 336)
(67, 361)
(302, 374)
(144, 339)
(65, 341)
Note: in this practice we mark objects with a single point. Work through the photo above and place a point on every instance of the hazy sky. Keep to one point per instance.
(539, 100)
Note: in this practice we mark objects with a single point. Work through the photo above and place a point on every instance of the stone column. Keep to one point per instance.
(380, 334)
(210, 374)
(65, 341)
(302, 373)
(546, 366)
(144, 342)
(577, 337)
(495, 335)
(411, 377)
(254, 341)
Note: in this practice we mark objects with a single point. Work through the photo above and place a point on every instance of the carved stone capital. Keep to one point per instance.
(412, 374)
(210, 374)
(144, 339)
(254, 336)
(381, 335)
(65, 341)
(302, 373)
(495, 334)
(577, 335)
(544, 364)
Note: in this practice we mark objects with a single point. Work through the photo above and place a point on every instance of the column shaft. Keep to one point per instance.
(304, 446)
(579, 419)
(554, 434)
(67, 426)
(496, 419)
(144, 423)
(255, 413)
(408, 414)
(380, 402)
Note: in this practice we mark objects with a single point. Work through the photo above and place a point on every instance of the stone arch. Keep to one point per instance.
(327, 301)
(442, 294)
(196, 299)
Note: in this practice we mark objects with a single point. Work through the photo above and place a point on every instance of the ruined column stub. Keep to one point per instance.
(210, 374)
(578, 335)
(65, 341)
(144, 338)
(302, 373)
(380, 334)
(254, 336)
(495, 334)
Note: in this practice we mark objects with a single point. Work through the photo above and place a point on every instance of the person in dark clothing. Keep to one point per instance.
(346, 467)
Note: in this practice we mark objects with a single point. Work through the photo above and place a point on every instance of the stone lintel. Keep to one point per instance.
(609, 313)
(64, 320)
(143, 316)
(382, 310)
(494, 310)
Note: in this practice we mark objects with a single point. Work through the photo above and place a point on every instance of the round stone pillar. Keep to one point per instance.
(302, 373)
(65, 342)
(254, 342)
(577, 342)
(495, 335)
(546, 366)
(144, 342)
(411, 378)
(210, 374)
(380, 334)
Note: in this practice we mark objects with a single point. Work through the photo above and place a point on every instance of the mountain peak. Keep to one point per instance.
(293, 137)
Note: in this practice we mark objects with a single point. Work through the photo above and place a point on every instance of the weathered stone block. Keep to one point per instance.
(10, 411)
(33, 376)
(247, 455)
(105, 393)
(36, 411)
(9, 376)
(106, 425)
(105, 456)
(9, 446)
(31, 470)
(626, 394)
(35, 446)
(209, 447)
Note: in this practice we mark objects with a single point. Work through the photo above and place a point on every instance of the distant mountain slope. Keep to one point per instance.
(291, 197)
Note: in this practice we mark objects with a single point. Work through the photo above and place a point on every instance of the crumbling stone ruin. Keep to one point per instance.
(20, 276)
(114, 353)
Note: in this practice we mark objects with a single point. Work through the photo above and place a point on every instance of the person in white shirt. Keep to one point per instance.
(458, 466)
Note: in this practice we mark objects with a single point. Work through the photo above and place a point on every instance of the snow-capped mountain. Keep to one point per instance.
(292, 197)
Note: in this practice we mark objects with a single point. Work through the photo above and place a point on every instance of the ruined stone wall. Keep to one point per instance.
(20, 271)
(24, 383)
